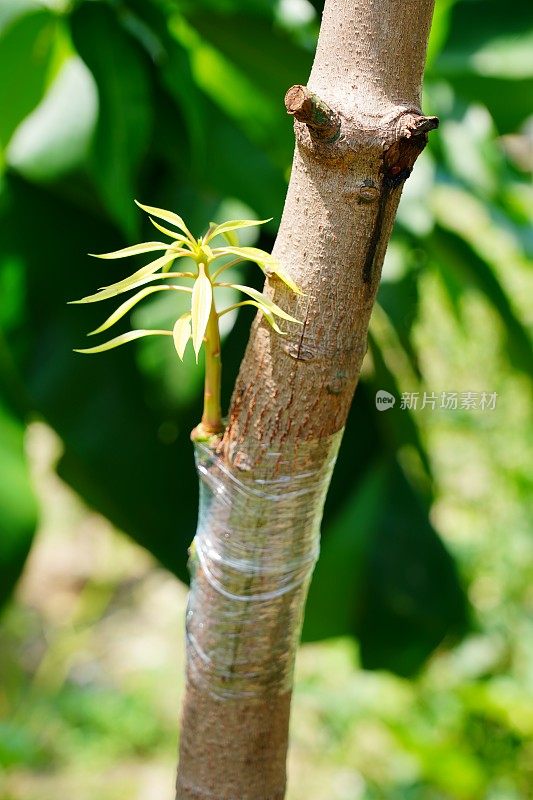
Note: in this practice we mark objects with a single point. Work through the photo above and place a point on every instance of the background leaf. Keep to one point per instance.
(56, 138)
(26, 50)
(120, 71)
(18, 507)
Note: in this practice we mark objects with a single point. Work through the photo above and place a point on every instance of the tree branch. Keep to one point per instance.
(306, 107)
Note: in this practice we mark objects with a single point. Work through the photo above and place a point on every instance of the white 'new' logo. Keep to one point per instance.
(384, 400)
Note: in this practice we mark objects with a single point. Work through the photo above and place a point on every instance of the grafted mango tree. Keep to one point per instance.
(265, 473)
(358, 128)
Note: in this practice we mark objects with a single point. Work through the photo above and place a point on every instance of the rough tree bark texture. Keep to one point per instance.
(358, 129)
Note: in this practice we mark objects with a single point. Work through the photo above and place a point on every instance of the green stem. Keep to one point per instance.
(212, 416)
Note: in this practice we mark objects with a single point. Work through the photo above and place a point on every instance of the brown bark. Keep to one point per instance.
(358, 131)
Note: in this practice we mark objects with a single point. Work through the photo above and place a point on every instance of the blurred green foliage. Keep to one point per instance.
(179, 104)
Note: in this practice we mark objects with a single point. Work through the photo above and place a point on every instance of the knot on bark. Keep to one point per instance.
(332, 137)
(323, 123)
(399, 158)
(410, 138)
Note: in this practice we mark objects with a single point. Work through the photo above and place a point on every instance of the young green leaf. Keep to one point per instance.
(262, 300)
(231, 225)
(132, 301)
(247, 253)
(133, 250)
(161, 262)
(93, 298)
(202, 298)
(168, 232)
(182, 334)
(232, 238)
(277, 270)
(266, 261)
(226, 266)
(123, 339)
(205, 252)
(266, 313)
(168, 216)
(272, 322)
(131, 282)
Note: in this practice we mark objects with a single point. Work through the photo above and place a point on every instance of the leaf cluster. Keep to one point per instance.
(191, 325)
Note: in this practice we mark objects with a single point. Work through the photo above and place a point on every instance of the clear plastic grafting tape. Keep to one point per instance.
(255, 548)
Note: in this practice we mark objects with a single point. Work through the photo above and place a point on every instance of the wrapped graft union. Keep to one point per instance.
(255, 548)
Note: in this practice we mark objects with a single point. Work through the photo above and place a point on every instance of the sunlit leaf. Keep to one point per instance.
(207, 252)
(168, 216)
(232, 225)
(132, 282)
(133, 250)
(277, 270)
(168, 232)
(93, 298)
(182, 334)
(232, 238)
(123, 339)
(271, 321)
(266, 313)
(202, 298)
(132, 301)
(226, 266)
(268, 263)
(151, 267)
(262, 300)
(260, 257)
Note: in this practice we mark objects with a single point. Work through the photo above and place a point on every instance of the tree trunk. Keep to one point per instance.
(358, 131)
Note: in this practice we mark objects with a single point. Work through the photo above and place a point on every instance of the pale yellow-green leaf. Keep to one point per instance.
(226, 266)
(232, 225)
(272, 322)
(134, 280)
(133, 250)
(247, 253)
(160, 263)
(179, 236)
(267, 315)
(202, 298)
(232, 238)
(182, 334)
(207, 235)
(206, 252)
(168, 216)
(94, 298)
(168, 267)
(280, 273)
(123, 339)
(266, 261)
(132, 301)
(262, 300)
